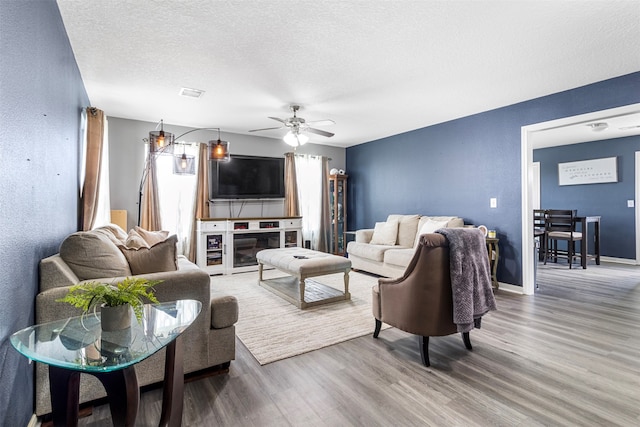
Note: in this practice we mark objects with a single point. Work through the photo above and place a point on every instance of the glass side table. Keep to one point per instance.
(494, 254)
(78, 345)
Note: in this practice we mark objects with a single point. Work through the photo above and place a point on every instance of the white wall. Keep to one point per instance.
(126, 153)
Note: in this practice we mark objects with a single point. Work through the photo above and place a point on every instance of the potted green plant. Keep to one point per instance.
(114, 299)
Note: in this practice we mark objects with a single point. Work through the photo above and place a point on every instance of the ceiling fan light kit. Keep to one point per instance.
(295, 139)
(297, 126)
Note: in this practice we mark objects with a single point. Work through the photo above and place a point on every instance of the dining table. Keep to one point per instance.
(584, 222)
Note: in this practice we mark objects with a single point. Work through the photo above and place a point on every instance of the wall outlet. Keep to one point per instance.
(493, 202)
(630, 203)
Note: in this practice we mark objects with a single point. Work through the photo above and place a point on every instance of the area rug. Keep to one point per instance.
(274, 329)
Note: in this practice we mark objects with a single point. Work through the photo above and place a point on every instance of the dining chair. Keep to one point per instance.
(560, 225)
(539, 220)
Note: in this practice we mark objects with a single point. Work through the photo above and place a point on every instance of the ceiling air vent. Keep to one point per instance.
(191, 93)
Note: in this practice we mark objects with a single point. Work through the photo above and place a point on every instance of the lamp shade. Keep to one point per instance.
(219, 151)
(184, 164)
(159, 140)
(295, 139)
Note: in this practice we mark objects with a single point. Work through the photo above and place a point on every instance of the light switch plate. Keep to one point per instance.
(493, 202)
(630, 203)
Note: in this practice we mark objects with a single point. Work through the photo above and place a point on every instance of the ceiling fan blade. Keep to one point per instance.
(257, 130)
(319, 132)
(326, 122)
(278, 119)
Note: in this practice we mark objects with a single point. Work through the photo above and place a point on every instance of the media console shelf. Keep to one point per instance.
(230, 245)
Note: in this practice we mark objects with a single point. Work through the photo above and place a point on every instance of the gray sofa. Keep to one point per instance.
(98, 255)
(390, 255)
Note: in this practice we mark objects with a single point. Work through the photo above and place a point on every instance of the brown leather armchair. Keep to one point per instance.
(420, 302)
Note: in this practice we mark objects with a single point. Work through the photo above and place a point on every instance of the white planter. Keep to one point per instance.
(115, 318)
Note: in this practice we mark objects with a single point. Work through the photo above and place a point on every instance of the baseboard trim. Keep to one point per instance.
(508, 287)
(626, 261)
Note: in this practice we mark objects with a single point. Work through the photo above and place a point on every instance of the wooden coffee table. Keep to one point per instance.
(302, 264)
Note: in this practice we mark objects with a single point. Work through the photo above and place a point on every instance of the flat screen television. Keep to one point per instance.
(247, 177)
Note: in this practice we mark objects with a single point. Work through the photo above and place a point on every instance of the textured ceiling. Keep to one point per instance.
(377, 68)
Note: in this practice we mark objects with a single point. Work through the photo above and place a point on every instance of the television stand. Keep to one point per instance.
(230, 245)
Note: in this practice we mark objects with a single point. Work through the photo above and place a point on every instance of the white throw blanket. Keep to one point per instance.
(470, 276)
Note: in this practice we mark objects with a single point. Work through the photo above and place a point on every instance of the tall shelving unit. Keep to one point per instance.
(338, 207)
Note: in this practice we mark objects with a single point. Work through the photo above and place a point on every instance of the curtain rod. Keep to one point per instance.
(310, 155)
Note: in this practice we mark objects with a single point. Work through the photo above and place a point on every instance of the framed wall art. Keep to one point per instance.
(596, 171)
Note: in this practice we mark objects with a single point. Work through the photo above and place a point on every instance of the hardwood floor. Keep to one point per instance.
(569, 355)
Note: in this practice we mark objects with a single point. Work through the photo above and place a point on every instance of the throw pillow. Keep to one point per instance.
(93, 255)
(159, 257)
(385, 233)
(407, 228)
(135, 241)
(112, 234)
(430, 226)
(151, 237)
(115, 230)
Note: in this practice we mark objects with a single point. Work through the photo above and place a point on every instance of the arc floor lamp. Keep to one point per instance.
(162, 142)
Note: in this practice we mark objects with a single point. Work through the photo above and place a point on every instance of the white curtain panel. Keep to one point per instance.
(103, 214)
(309, 176)
(176, 194)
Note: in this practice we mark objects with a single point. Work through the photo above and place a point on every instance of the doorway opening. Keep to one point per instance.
(529, 136)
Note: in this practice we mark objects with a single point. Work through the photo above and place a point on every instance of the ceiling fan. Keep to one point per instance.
(296, 125)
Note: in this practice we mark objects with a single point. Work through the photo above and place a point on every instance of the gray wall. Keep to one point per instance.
(126, 156)
(41, 97)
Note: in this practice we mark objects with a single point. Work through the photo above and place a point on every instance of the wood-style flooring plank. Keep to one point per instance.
(567, 356)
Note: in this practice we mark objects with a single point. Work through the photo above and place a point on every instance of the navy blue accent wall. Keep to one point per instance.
(42, 95)
(609, 200)
(454, 168)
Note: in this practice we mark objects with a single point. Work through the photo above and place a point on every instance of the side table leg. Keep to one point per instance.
(597, 240)
(123, 394)
(173, 389)
(494, 272)
(64, 387)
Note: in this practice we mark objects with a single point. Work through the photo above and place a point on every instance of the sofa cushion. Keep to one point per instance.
(429, 224)
(400, 257)
(159, 257)
(151, 237)
(368, 251)
(93, 255)
(407, 228)
(364, 235)
(385, 233)
(452, 221)
(224, 311)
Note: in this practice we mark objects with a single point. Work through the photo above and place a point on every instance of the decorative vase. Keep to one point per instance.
(115, 318)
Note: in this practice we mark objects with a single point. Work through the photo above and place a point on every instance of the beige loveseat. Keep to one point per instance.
(387, 249)
(99, 255)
